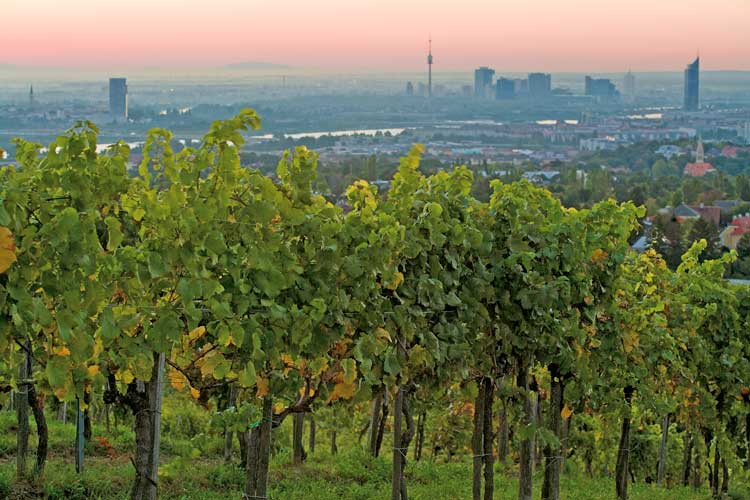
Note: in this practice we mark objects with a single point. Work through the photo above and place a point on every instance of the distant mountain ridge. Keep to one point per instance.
(257, 65)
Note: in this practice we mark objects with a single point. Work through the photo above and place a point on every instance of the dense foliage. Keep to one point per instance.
(515, 327)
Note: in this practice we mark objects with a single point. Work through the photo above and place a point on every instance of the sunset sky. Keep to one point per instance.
(518, 35)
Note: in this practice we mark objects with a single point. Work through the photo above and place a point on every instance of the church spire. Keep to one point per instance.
(700, 156)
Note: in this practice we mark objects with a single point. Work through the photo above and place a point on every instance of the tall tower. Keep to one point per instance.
(118, 99)
(31, 96)
(692, 85)
(629, 85)
(429, 69)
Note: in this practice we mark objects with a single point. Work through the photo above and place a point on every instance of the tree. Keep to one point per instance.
(742, 187)
(702, 229)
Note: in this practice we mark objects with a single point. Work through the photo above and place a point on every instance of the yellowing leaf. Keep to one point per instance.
(599, 255)
(262, 385)
(566, 412)
(195, 393)
(342, 390)
(287, 360)
(7, 249)
(62, 351)
(398, 278)
(382, 334)
(92, 370)
(630, 341)
(125, 376)
(177, 380)
(196, 333)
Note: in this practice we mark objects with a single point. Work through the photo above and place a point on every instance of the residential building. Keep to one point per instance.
(505, 89)
(736, 229)
(709, 213)
(668, 151)
(540, 84)
(483, 81)
(601, 88)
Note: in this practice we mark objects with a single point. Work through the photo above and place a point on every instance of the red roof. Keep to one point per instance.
(729, 152)
(708, 212)
(741, 226)
(698, 169)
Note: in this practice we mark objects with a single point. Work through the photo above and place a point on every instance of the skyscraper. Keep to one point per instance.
(409, 89)
(629, 85)
(429, 69)
(540, 84)
(692, 85)
(31, 96)
(118, 98)
(505, 88)
(483, 81)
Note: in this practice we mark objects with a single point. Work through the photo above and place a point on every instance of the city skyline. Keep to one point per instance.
(386, 34)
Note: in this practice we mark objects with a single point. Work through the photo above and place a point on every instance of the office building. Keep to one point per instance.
(483, 81)
(601, 88)
(505, 89)
(118, 98)
(540, 84)
(692, 85)
(409, 89)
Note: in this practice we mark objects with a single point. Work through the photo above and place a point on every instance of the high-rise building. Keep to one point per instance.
(118, 98)
(521, 86)
(31, 96)
(483, 81)
(429, 69)
(409, 89)
(505, 89)
(692, 85)
(601, 88)
(745, 132)
(540, 84)
(629, 85)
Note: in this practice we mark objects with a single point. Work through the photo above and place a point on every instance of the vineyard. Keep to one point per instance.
(189, 331)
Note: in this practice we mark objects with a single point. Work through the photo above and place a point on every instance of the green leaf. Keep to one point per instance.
(114, 233)
(156, 265)
(246, 377)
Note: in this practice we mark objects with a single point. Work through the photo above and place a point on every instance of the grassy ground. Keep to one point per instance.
(191, 470)
(350, 475)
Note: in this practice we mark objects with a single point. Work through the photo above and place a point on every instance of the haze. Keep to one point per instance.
(549, 35)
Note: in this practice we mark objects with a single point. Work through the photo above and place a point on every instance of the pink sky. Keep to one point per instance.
(517, 35)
